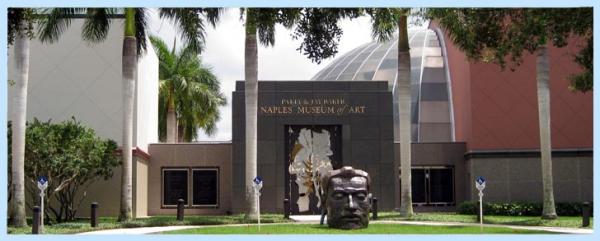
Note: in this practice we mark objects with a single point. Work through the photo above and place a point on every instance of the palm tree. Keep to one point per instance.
(543, 95)
(319, 32)
(385, 22)
(20, 23)
(484, 35)
(95, 29)
(189, 96)
(251, 93)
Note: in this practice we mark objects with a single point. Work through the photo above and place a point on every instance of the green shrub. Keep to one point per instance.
(519, 208)
(72, 157)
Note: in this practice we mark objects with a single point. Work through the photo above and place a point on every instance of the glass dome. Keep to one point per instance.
(431, 118)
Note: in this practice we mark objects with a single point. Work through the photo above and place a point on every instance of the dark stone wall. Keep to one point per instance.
(517, 176)
(367, 138)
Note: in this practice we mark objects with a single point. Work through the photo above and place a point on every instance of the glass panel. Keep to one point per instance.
(441, 185)
(175, 184)
(419, 194)
(205, 183)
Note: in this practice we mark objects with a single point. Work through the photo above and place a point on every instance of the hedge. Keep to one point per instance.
(520, 208)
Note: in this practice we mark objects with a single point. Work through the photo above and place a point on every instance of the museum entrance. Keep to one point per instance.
(433, 185)
(310, 150)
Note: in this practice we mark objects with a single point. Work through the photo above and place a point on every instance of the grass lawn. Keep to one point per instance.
(83, 225)
(372, 229)
(563, 221)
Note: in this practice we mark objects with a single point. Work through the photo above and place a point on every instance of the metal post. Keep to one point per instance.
(286, 208)
(180, 209)
(93, 216)
(477, 212)
(42, 212)
(585, 213)
(374, 208)
(481, 211)
(258, 208)
(35, 226)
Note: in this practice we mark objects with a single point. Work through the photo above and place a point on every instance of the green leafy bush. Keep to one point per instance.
(519, 208)
(72, 157)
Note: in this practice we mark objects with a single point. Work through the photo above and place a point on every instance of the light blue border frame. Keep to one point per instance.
(280, 3)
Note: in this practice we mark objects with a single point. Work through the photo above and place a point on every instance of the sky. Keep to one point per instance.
(224, 53)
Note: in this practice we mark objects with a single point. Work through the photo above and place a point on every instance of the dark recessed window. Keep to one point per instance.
(175, 186)
(205, 187)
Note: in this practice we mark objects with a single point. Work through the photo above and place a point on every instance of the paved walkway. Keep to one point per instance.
(315, 219)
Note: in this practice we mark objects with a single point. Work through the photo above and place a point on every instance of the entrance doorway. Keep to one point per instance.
(433, 185)
(310, 150)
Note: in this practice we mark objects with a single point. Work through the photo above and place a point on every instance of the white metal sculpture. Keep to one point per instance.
(310, 158)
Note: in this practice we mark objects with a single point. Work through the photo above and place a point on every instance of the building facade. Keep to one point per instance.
(468, 119)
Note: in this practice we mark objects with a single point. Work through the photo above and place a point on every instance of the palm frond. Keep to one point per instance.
(96, 25)
(212, 15)
(195, 91)
(384, 23)
(57, 20)
(190, 25)
(141, 24)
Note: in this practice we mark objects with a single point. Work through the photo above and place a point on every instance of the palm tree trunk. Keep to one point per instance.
(129, 67)
(171, 121)
(404, 99)
(251, 92)
(17, 211)
(543, 88)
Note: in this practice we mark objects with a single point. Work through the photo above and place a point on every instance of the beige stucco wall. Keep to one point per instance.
(140, 188)
(74, 78)
(189, 155)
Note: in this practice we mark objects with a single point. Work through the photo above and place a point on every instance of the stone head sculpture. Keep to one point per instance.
(346, 198)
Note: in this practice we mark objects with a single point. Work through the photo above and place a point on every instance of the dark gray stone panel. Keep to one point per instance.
(294, 86)
(267, 153)
(238, 132)
(238, 175)
(525, 170)
(362, 151)
(239, 85)
(524, 191)
(238, 152)
(369, 100)
(567, 191)
(386, 171)
(365, 128)
(267, 128)
(335, 86)
(386, 104)
(363, 86)
(386, 152)
(267, 172)
(267, 86)
(386, 128)
(238, 108)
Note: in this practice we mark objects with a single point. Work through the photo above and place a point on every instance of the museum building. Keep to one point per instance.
(468, 120)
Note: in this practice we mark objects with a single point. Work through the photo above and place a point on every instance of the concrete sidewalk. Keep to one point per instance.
(313, 220)
(145, 230)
